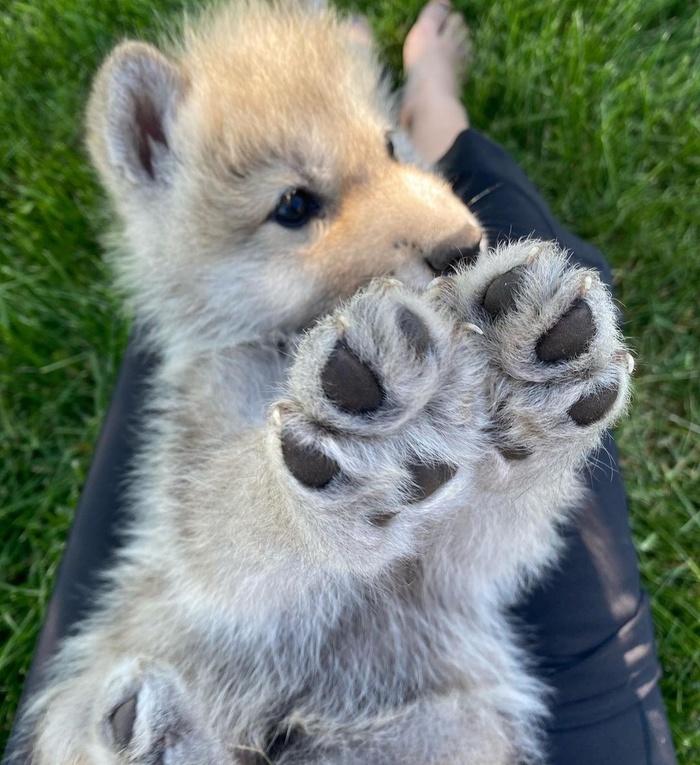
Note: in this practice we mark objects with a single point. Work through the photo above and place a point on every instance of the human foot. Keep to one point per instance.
(435, 55)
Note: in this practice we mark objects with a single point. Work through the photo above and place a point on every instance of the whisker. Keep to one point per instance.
(484, 193)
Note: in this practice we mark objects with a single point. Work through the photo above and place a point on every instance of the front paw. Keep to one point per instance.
(558, 369)
(367, 434)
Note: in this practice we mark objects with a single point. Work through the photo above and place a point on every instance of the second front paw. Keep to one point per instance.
(150, 717)
(558, 370)
(365, 440)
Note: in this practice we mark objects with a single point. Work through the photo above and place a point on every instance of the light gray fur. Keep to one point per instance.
(245, 606)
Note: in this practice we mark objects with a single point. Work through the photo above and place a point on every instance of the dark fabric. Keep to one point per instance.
(506, 202)
(587, 624)
(637, 735)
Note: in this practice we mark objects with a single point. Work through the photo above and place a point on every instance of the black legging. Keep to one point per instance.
(588, 624)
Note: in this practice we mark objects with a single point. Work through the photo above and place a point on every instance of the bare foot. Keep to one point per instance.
(435, 56)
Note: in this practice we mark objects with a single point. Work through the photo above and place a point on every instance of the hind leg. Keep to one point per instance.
(132, 711)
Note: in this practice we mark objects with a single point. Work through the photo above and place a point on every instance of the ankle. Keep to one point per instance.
(433, 121)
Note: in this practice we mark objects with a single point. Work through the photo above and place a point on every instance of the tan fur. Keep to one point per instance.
(252, 613)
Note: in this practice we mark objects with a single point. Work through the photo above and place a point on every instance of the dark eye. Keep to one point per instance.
(295, 208)
(390, 147)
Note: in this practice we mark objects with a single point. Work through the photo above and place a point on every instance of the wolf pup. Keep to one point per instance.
(352, 466)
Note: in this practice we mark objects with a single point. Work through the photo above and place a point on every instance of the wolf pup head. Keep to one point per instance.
(255, 173)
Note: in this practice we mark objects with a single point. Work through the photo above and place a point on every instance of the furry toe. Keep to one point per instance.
(122, 723)
(427, 478)
(310, 466)
(595, 406)
(415, 330)
(501, 294)
(350, 384)
(570, 336)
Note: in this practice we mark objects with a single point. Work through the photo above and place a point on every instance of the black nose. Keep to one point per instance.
(442, 258)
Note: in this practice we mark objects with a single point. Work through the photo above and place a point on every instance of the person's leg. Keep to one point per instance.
(588, 624)
(434, 57)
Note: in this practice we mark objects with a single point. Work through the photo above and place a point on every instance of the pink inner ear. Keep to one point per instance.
(149, 126)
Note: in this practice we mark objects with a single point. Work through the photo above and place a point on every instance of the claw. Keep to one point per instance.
(276, 417)
(443, 288)
(533, 252)
(440, 283)
(342, 324)
(627, 359)
(278, 410)
(473, 328)
(587, 283)
(389, 283)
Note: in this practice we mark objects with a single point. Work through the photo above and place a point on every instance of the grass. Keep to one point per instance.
(598, 101)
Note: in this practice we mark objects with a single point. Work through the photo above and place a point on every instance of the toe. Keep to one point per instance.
(595, 406)
(414, 330)
(350, 384)
(122, 723)
(307, 464)
(427, 478)
(435, 15)
(424, 34)
(455, 26)
(500, 297)
(570, 337)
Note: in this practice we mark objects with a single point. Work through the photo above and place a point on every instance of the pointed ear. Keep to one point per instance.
(131, 115)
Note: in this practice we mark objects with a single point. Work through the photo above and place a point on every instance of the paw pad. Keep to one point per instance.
(415, 330)
(308, 465)
(501, 293)
(428, 477)
(350, 384)
(382, 519)
(514, 453)
(122, 723)
(594, 407)
(570, 336)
